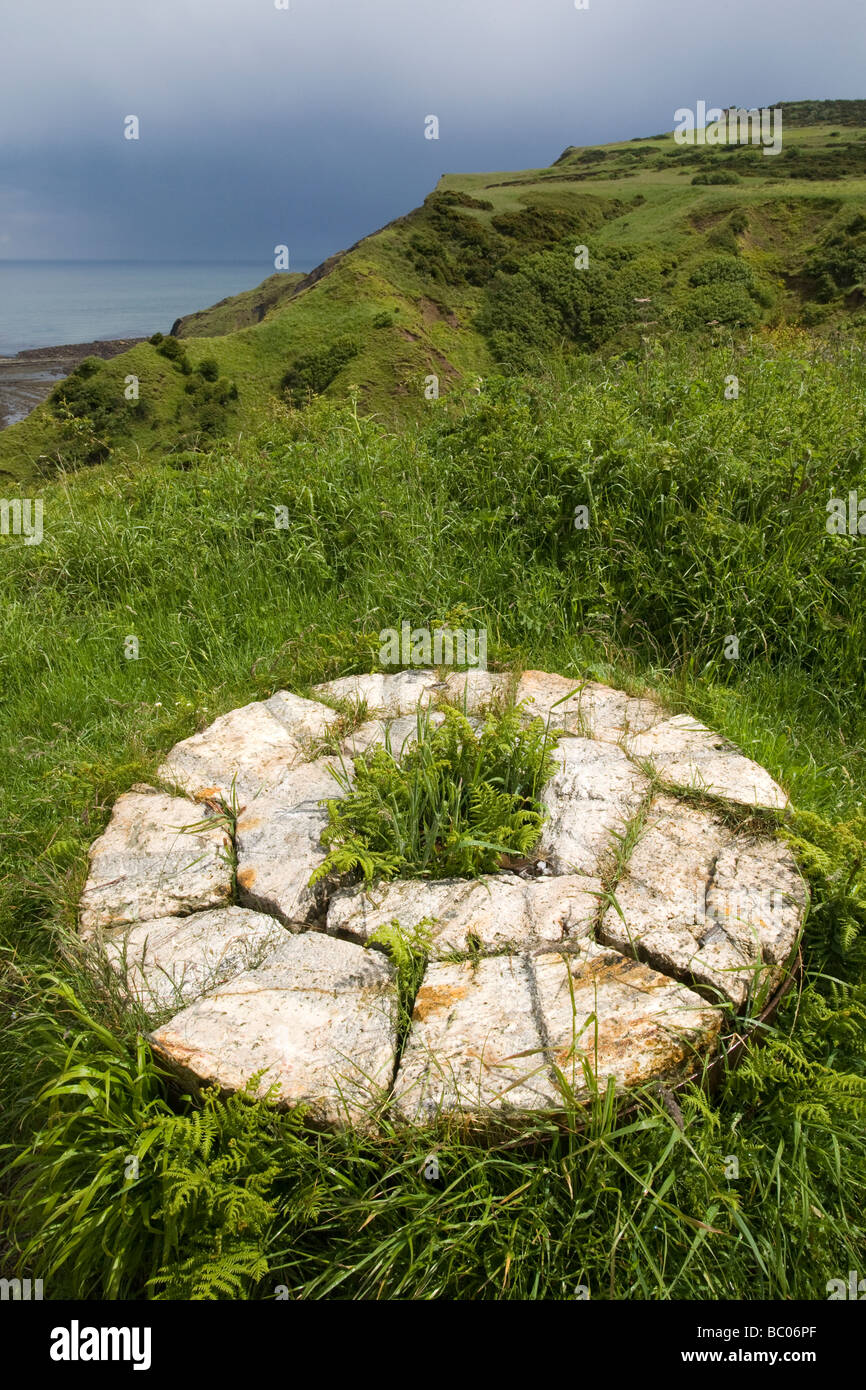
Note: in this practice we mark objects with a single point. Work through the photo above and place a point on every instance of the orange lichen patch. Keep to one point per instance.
(435, 998)
(206, 793)
(246, 878)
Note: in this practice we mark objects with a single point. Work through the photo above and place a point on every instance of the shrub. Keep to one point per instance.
(313, 373)
(172, 349)
(718, 176)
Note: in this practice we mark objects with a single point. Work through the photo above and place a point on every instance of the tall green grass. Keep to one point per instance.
(706, 519)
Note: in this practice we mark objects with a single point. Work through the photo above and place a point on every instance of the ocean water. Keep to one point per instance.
(49, 303)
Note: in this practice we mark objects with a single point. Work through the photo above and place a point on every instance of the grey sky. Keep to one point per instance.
(306, 126)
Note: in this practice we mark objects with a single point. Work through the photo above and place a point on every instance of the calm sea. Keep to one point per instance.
(49, 303)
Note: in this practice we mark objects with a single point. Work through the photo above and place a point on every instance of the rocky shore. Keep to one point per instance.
(27, 378)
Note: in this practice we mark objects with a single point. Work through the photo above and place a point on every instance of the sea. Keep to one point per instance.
(52, 303)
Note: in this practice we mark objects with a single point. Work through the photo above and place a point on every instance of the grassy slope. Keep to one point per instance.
(240, 310)
(789, 202)
(707, 519)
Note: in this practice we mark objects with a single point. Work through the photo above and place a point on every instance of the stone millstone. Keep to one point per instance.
(614, 949)
(318, 1020)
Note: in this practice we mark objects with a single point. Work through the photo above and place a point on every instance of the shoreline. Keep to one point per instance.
(27, 378)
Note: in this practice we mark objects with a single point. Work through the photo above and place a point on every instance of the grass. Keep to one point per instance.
(707, 518)
(456, 803)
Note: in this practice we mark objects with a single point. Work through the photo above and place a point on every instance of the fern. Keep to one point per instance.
(456, 804)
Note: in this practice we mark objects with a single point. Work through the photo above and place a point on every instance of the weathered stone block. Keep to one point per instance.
(148, 863)
(317, 1020)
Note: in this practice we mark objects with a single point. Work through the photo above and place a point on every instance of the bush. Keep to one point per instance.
(209, 368)
(313, 373)
(839, 262)
(719, 176)
(548, 303)
(172, 349)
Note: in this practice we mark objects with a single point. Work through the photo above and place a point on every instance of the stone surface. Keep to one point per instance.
(318, 1019)
(147, 865)
(704, 904)
(279, 846)
(375, 733)
(306, 720)
(618, 1018)
(474, 1045)
(589, 799)
(585, 707)
(495, 912)
(477, 691)
(173, 960)
(248, 749)
(394, 695)
(688, 754)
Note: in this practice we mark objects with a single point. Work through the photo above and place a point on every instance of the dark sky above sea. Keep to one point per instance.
(305, 125)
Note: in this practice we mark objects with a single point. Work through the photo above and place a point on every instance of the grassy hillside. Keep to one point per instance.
(704, 240)
(707, 517)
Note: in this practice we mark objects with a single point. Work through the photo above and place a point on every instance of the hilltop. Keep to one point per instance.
(680, 239)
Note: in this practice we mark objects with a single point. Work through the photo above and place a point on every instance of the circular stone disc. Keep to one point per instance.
(648, 910)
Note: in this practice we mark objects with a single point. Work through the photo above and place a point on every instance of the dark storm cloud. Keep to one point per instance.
(305, 126)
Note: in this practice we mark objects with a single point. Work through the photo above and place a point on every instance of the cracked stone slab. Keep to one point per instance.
(491, 914)
(585, 707)
(474, 1045)
(376, 733)
(147, 864)
(171, 961)
(249, 749)
(590, 797)
(685, 752)
(306, 720)
(616, 1017)
(318, 1019)
(385, 695)
(278, 844)
(477, 690)
(707, 905)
